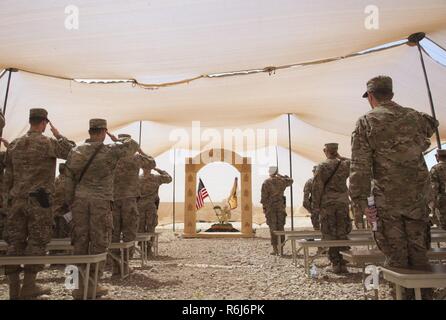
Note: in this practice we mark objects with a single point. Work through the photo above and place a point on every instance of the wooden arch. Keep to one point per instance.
(192, 166)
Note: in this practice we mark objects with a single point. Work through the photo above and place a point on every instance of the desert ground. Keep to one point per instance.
(218, 269)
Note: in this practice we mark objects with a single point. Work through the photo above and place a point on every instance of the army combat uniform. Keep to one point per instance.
(29, 185)
(387, 146)
(2, 204)
(438, 183)
(126, 193)
(61, 227)
(148, 202)
(274, 205)
(307, 204)
(91, 198)
(330, 197)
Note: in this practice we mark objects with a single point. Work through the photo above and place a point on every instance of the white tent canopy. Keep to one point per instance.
(156, 42)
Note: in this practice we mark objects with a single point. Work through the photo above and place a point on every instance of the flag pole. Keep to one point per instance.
(173, 189)
(291, 172)
(140, 132)
(414, 39)
(11, 70)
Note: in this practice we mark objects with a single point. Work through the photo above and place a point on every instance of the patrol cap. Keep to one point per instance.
(379, 83)
(98, 124)
(272, 170)
(332, 146)
(441, 153)
(38, 113)
(124, 135)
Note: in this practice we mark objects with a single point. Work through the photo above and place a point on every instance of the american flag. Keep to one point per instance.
(202, 193)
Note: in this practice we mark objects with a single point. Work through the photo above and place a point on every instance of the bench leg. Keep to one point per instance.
(293, 251)
(128, 261)
(86, 280)
(306, 262)
(399, 295)
(122, 263)
(95, 280)
(156, 246)
(279, 242)
(417, 294)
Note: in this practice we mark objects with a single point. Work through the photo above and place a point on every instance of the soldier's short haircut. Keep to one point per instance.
(383, 95)
(36, 120)
(95, 131)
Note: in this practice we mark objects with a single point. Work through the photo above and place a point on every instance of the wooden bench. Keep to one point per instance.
(88, 260)
(305, 234)
(438, 235)
(145, 239)
(318, 243)
(124, 258)
(433, 277)
(54, 245)
(362, 258)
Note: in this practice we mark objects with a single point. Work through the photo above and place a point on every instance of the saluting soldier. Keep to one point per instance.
(29, 185)
(90, 170)
(148, 203)
(274, 204)
(126, 193)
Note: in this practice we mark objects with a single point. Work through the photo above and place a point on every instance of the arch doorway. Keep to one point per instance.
(192, 166)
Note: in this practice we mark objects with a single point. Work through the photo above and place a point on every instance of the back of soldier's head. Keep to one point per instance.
(441, 155)
(331, 149)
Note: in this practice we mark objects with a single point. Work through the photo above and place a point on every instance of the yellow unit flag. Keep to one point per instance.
(232, 199)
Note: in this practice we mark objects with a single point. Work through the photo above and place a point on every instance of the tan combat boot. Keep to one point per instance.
(30, 289)
(14, 285)
(336, 268)
(275, 251)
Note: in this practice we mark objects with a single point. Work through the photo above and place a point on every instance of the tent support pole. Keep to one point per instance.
(140, 132)
(291, 172)
(414, 39)
(7, 90)
(173, 189)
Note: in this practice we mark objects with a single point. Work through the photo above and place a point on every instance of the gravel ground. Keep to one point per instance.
(219, 269)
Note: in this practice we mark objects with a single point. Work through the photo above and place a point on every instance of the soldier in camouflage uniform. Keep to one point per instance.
(307, 202)
(29, 185)
(274, 204)
(126, 193)
(2, 205)
(148, 203)
(89, 191)
(330, 200)
(438, 182)
(60, 207)
(387, 146)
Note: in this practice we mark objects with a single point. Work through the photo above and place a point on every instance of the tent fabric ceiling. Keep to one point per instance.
(170, 40)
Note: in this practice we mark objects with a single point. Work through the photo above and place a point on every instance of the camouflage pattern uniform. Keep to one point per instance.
(31, 166)
(91, 199)
(307, 203)
(387, 146)
(2, 207)
(274, 204)
(126, 193)
(330, 197)
(438, 183)
(62, 229)
(149, 185)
